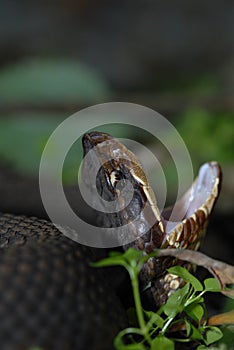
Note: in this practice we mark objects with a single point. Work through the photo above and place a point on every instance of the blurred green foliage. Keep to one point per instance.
(51, 81)
(201, 84)
(22, 140)
(208, 136)
(47, 82)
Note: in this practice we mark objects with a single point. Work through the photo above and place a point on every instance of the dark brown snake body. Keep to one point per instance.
(51, 297)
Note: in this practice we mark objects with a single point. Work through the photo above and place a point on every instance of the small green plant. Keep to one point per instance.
(152, 330)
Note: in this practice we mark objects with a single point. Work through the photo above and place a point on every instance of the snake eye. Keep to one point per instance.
(109, 183)
(115, 177)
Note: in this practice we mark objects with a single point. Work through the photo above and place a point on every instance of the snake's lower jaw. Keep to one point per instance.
(185, 225)
(186, 221)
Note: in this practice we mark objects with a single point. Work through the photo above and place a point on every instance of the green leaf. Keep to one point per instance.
(110, 261)
(196, 333)
(195, 311)
(162, 343)
(133, 256)
(187, 276)
(175, 302)
(154, 319)
(212, 285)
(132, 260)
(188, 327)
(115, 253)
(119, 343)
(212, 335)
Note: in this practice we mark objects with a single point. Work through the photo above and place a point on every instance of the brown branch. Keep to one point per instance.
(223, 272)
(226, 318)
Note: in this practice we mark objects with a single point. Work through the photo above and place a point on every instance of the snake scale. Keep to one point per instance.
(50, 295)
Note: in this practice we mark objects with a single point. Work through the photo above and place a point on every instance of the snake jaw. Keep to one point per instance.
(189, 216)
(187, 233)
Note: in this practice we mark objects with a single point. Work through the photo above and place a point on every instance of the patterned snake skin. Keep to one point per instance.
(50, 296)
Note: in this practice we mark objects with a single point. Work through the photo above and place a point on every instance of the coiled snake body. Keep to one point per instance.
(51, 297)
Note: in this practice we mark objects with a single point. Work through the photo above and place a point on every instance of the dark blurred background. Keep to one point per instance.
(58, 57)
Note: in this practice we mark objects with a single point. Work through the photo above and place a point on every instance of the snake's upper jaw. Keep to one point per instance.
(195, 206)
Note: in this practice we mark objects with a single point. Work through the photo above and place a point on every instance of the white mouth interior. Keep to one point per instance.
(194, 198)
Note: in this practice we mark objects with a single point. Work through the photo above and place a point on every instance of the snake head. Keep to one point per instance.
(120, 177)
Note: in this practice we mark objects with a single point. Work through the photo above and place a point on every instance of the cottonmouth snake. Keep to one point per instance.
(51, 297)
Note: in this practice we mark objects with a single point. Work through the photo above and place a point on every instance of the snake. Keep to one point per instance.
(181, 226)
(51, 296)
